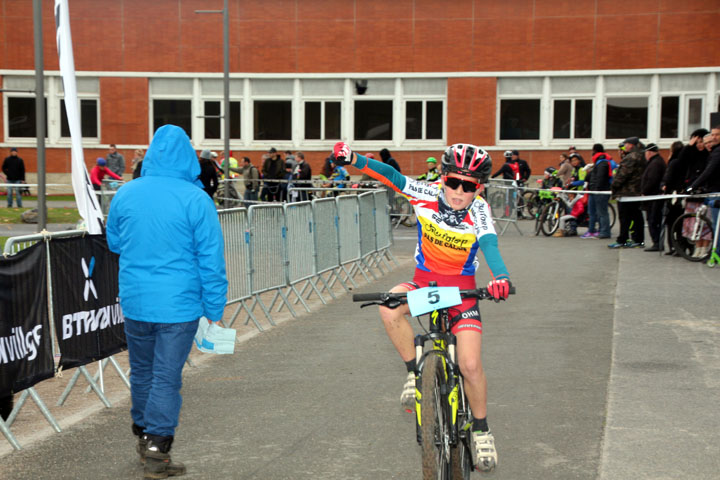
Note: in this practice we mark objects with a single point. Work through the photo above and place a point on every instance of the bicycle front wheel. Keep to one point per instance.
(461, 465)
(686, 246)
(550, 218)
(434, 427)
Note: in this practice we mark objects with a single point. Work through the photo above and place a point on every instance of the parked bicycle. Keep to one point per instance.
(549, 218)
(442, 412)
(691, 229)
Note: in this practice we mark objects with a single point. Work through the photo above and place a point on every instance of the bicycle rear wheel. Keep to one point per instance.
(612, 214)
(686, 246)
(530, 205)
(550, 218)
(433, 422)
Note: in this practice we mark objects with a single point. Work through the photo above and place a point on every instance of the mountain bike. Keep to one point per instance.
(549, 217)
(697, 227)
(442, 413)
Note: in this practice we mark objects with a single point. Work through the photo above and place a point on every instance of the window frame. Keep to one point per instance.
(573, 99)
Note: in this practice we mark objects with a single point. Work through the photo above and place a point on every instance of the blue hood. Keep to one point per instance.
(171, 154)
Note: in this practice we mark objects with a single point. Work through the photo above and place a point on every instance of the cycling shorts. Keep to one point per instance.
(465, 316)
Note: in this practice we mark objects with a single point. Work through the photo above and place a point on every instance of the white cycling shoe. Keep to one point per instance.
(484, 453)
(407, 398)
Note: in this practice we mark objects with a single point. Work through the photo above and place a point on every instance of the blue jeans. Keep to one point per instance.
(592, 215)
(16, 191)
(157, 353)
(600, 202)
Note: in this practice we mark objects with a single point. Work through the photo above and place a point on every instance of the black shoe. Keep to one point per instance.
(654, 248)
(670, 252)
(158, 463)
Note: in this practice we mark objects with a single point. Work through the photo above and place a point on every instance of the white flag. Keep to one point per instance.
(85, 197)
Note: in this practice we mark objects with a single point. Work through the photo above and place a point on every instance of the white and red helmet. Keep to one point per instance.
(466, 159)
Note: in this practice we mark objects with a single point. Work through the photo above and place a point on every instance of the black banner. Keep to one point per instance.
(88, 318)
(25, 341)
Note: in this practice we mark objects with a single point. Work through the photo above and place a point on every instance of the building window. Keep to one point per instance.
(694, 114)
(373, 119)
(88, 119)
(22, 118)
(272, 119)
(572, 119)
(423, 120)
(322, 120)
(669, 117)
(213, 119)
(176, 112)
(520, 119)
(626, 117)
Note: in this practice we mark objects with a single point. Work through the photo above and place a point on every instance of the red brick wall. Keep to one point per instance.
(372, 35)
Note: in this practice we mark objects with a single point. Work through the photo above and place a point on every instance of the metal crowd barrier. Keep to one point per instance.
(502, 195)
(269, 248)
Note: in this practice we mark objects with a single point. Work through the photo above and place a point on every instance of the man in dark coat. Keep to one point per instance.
(650, 185)
(14, 169)
(523, 167)
(709, 179)
(598, 180)
(626, 183)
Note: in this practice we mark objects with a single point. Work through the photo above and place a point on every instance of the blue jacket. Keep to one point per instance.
(166, 230)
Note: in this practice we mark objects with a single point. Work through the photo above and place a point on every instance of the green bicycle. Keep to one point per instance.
(443, 416)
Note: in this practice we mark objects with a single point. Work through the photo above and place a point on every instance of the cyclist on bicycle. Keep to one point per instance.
(453, 223)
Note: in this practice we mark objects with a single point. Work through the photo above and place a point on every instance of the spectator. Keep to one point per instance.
(287, 184)
(564, 168)
(599, 181)
(578, 173)
(672, 183)
(626, 183)
(172, 276)
(14, 169)
(550, 179)
(568, 223)
(339, 175)
(208, 173)
(232, 169)
(302, 174)
(289, 157)
(388, 159)
(137, 163)
(706, 182)
(510, 170)
(98, 172)
(273, 169)
(692, 162)
(251, 178)
(650, 185)
(573, 151)
(115, 161)
(432, 174)
(522, 166)
(709, 179)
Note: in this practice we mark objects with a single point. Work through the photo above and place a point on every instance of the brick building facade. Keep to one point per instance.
(409, 75)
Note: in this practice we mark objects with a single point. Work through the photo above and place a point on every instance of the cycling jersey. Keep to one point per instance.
(448, 240)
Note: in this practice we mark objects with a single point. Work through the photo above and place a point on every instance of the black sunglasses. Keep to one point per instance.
(467, 185)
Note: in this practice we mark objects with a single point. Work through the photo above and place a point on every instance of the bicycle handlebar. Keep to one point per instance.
(480, 294)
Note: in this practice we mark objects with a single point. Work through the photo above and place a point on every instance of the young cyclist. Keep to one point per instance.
(453, 223)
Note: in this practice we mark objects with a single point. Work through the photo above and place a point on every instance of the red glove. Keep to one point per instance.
(343, 154)
(499, 289)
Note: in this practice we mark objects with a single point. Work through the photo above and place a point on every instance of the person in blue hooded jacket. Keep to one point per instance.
(172, 272)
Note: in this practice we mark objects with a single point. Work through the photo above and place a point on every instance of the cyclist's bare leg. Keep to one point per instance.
(469, 350)
(398, 327)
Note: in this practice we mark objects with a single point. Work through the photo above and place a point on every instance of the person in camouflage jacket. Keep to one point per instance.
(626, 183)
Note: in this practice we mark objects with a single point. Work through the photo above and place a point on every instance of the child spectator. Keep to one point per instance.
(568, 223)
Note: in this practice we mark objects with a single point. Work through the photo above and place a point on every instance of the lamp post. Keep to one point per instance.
(40, 113)
(226, 83)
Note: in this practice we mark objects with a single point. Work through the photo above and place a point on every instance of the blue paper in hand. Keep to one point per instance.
(212, 338)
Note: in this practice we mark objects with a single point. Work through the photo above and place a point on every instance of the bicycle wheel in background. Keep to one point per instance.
(686, 246)
(497, 202)
(461, 465)
(530, 204)
(550, 218)
(612, 213)
(433, 422)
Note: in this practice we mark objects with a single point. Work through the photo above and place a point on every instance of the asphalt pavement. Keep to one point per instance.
(605, 365)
